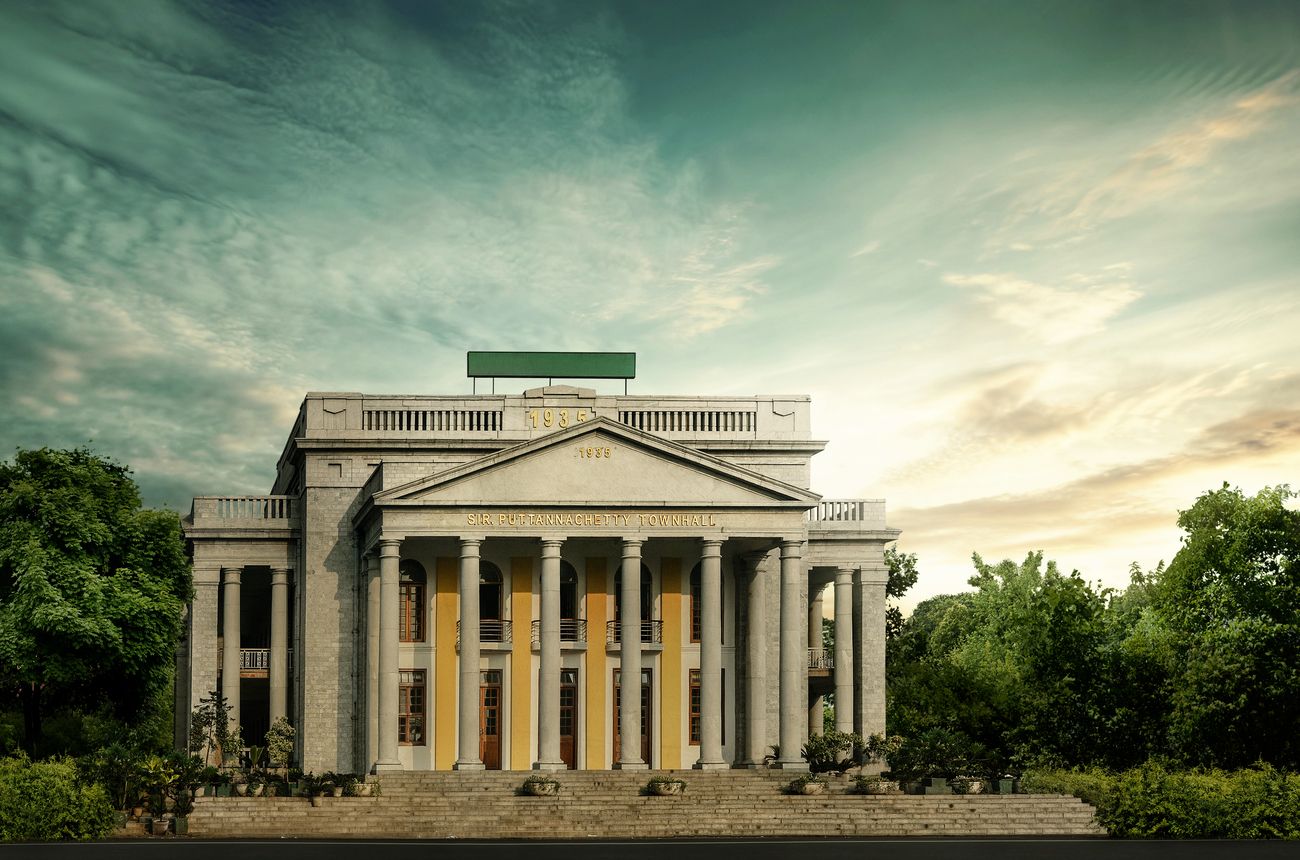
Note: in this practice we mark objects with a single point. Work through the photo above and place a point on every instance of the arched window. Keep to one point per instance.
(568, 591)
(412, 582)
(647, 596)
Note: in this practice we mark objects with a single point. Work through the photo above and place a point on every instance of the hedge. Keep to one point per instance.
(46, 800)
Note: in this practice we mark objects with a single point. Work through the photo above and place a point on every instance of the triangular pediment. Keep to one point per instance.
(599, 462)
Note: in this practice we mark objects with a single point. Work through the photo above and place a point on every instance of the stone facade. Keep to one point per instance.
(392, 519)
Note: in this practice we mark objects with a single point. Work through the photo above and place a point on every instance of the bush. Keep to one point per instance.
(832, 751)
(1152, 802)
(46, 801)
(939, 753)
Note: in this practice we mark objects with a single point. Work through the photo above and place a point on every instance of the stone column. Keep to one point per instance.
(843, 650)
(230, 645)
(548, 689)
(870, 650)
(756, 662)
(279, 662)
(816, 703)
(711, 656)
(629, 713)
(370, 572)
(389, 609)
(468, 756)
(203, 626)
(794, 657)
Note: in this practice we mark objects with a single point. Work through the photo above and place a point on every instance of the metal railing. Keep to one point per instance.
(254, 659)
(491, 630)
(820, 658)
(571, 630)
(652, 632)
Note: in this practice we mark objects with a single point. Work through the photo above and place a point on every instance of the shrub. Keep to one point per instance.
(279, 742)
(937, 753)
(832, 751)
(46, 800)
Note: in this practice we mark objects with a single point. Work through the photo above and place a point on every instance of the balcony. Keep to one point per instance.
(847, 514)
(256, 662)
(820, 660)
(492, 632)
(652, 633)
(573, 631)
(246, 512)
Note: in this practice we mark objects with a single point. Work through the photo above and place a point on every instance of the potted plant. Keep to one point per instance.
(279, 745)
(541, 786)
(665, 786)
(158, 777)
(312, 786)
(875, 785)
(333, 783)
(831, 752)
(809, 783)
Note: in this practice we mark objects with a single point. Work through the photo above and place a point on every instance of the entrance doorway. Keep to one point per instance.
(489, 719)
(645, 716)
(569, 717)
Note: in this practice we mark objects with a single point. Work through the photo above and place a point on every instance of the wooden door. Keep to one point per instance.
(645, 716)
(489, 719)
(569, 717)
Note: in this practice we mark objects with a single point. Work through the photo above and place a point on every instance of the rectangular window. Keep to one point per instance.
(410, 707)
(695, 707)
(410, 619)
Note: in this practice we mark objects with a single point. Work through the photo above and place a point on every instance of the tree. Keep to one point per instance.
(1231, 599)
(902, 576)
(92, 587)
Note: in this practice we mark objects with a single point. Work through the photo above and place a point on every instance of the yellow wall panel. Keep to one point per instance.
(445, 676)
(670, 662)
(594, 718)
(521, 663)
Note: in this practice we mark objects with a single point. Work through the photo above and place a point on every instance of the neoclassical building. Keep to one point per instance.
(467, 582)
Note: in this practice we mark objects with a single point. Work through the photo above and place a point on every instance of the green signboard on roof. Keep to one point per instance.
(551, 365)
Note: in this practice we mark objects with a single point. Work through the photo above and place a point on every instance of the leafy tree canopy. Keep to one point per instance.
(92, 587)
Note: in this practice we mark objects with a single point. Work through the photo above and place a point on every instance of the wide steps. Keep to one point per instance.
(439, 805)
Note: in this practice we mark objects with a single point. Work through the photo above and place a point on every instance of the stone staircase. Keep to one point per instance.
(607, 804)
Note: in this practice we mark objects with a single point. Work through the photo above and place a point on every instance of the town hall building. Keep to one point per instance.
(554, 579)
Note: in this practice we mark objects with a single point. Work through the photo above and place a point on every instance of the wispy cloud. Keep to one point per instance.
(1053, 314)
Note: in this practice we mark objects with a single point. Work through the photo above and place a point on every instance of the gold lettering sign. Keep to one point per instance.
(584, 519)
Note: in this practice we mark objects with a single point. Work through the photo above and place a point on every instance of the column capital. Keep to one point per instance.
(711, 546)
(843, 576)
(280, 575)
(390, 546)
(470, 543)
(791, 548)
(630, 544)
(231, 574)
(551, 547)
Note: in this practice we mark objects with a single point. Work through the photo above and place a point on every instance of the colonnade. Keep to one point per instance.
(382, 661)
(278, 656)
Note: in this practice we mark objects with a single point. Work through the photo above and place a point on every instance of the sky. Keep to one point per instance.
(1037, 264)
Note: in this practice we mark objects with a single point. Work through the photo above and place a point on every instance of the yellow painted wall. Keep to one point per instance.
(670, 663)
(445, 677)
(594, 683)
(521, 663)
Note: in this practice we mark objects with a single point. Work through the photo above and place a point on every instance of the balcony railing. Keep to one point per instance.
(571, 630)
(652, 632)
(820, 658)
(848, 514)
(258, 659)
(270, 510)
(491, 630)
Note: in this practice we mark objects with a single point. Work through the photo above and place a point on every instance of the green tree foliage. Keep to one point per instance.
(902, 576)
(92, 588)
(1231, 601)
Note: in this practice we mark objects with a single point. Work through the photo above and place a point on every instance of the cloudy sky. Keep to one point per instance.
(1038, 264)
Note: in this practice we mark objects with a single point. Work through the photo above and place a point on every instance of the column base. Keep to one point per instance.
(468, 765)
(550, 766)
(386, 766)
(711, 765)
(631, 765)
(796, 765)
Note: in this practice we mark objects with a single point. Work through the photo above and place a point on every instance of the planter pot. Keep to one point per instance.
(1002, 786)
(812, 788)
(181, 825)
(137, 812)
(541, 789)
(159, 825)
(364, 789)
(935, 785)
(883, 786)
(315, 799)
(223, 790)
(256, 790)
(666, 789)
(337, 791)
(241, 790)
